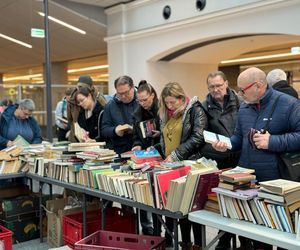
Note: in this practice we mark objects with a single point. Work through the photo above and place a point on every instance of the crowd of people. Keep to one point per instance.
(179, 122)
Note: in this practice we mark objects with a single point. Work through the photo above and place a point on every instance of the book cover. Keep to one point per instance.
(211, 137)
(141, 156)
(147, 127)
(280, 186)
(20, 141)
(237, 177)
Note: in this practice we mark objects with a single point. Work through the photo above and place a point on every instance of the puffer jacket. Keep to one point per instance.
(284, 87)
(194, 122)
(284, 128)
(112, 117)
(221, 120)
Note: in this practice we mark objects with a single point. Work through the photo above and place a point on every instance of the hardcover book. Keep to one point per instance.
(141, 156)
(147, 128)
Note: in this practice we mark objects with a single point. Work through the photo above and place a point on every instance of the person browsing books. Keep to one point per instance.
(260, 149)
(221, 106)
(61, 116)
(182, 123)
(145, 134)
(118, 116)
(88, 117)
(17, 120)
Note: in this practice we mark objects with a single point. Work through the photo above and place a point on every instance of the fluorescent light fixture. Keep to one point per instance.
(63, 23)
(257, 58)
(88, 68)
(25, 77)
(15, 41)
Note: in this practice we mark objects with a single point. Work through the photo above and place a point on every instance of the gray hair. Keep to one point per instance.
(27, 104)
(275, 76)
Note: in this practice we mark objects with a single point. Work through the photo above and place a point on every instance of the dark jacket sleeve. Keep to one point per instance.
(193, 143)
(136, 133)
(37, 137)
(108, 127)
(3, 140)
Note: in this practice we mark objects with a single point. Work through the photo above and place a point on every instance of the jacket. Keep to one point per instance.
(4, 123)
(194, 122)
(117, 113)
(141, 115)
(92, 123)
(284, 87)
(284, 128)
(221, 120)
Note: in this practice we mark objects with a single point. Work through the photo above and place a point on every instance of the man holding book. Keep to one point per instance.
(268, 123)
(221, 106)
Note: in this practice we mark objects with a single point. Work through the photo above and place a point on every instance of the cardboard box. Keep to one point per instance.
(13, 190)
(55, 213)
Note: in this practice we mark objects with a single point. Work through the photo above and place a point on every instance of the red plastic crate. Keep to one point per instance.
(103, 240)
(116, 220)
(5, 239)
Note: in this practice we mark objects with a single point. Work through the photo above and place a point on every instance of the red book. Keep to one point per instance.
(165, 178)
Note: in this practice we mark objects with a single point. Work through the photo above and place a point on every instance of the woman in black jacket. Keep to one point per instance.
(89, 115)
(183, 122)
(146, 134)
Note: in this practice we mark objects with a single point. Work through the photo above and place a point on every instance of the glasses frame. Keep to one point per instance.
(125, 94)
(243, 90)
(211, 88)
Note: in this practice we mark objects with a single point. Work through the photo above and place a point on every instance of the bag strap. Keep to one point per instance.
(270, 115)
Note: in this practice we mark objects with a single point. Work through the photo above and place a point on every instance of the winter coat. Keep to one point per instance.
(141, 115)
(221, 120)
(118, 113)
(92, 123)
(194, 122)
(284, 128)
(4, 123)
(284, 87)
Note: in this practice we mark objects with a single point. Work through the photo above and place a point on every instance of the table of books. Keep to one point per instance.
(244, 228)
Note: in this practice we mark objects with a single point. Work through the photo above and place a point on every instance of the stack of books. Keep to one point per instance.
(142, 156)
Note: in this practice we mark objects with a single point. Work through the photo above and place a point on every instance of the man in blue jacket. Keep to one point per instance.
(17, 120)
(119, 111)
(260, 150)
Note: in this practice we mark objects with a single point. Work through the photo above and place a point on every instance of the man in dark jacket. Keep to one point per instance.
(260, 150)
(119, 111)
(278, 80)
(17, 120)
(221, 107)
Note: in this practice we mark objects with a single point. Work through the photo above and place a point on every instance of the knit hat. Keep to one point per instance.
(85, 81)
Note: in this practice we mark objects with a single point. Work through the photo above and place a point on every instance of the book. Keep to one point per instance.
(20, 141)
(147, 127)
(239, 193)
(141, 156)
(236, 177)
(64, 120)
(125, 127)
(211, 137)
(280, 186)
(239, 170)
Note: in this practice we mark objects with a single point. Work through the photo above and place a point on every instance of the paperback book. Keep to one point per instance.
(211, 137)
(147, 128)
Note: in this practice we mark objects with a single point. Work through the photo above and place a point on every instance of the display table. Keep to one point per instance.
(244, 228)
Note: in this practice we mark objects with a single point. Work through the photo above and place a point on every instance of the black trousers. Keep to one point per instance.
(61, 134)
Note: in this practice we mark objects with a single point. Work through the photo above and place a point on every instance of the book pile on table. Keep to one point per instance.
(9, 161)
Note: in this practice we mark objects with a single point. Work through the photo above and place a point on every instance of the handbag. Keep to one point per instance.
(288, 162)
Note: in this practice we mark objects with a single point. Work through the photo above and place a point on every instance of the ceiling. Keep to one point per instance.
(17, 17)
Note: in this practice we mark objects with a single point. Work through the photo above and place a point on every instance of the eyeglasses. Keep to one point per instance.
(217, 86)
(144, 100)
(27, 113)
(126, 93)
(243, 90)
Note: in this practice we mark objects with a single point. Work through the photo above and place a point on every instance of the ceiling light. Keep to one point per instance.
(64, 24)
(295, 50)
(88, 68)
(25, 77)
(257, 58)
(15, 41)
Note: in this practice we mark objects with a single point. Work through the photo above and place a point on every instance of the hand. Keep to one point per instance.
(136, 148)
(119, 131)
(219, 146)
(261, 141)
(9, 143)
(169, 159)
(155, 133)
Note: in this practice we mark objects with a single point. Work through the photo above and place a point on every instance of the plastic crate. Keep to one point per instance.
(120, 241)
(5, 239)
(116, 220)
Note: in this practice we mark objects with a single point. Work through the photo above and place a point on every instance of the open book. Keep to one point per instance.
(126, 127)
(211, 137)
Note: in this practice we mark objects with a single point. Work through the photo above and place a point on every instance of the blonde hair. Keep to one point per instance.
(172, 89)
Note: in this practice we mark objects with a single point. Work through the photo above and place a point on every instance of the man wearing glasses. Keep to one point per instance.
(259, 150)
(221, 106)
(17, 120)
(118, 116)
